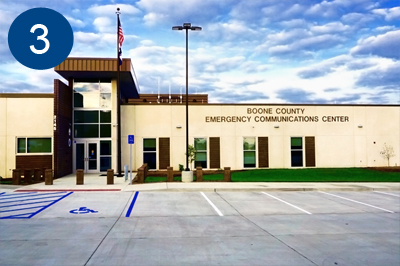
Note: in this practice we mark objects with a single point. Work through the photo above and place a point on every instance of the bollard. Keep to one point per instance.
(36, 175)
(199, 174)
(43, 171)
(110, 177)
(48, 177)
(227, 174)
(27, 176)
(170, 174)
(140, 175)
(126, 172)
(16, 180)
(79, 176)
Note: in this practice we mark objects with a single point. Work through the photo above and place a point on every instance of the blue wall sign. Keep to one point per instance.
(131, 139)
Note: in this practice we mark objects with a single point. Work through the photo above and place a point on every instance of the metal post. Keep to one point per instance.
(130, 166)
(187, 104)
(118, 105)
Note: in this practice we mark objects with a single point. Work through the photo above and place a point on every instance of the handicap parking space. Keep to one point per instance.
(28, 205)
(89, 204)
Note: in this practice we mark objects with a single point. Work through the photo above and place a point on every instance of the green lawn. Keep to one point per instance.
(301, 175)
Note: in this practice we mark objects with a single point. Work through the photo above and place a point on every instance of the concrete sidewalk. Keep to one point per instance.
(95, 182)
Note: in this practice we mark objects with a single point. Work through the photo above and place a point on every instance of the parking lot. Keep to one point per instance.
(200, 228)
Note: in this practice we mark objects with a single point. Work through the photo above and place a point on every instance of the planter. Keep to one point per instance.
(187, 176)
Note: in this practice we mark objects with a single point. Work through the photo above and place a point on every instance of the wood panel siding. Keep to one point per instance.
(145, 99)
(63, 113)
(310, 151)
(34, 161)
(93, 64)
(263, 159)
(215, 153)
(164, 153)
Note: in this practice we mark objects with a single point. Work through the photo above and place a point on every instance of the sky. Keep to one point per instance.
(249, 51)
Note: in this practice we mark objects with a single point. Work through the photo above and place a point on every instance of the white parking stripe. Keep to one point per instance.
(212, 204)
(387, 193)
(287, 203)
(356, 201)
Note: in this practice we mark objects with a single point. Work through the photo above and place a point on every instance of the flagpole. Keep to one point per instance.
(118, 102)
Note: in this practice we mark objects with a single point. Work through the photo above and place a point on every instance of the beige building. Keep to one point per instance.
(77, 128)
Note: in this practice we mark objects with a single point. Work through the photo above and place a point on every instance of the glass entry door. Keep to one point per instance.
(86, 156)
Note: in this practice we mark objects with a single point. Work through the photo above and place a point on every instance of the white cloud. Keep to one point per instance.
(330, 28)
(109, 10)
(389, 13)
(75, 22)
(104, 24)
(385, 45)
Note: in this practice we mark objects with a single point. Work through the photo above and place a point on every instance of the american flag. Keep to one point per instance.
(120, 41)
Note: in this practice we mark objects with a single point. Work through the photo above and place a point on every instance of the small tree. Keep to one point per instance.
(387, 152)
(192, 154)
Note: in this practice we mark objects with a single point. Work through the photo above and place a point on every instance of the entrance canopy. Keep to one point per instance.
(103, 69)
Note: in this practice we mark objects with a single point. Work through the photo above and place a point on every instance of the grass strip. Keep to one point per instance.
(315, 175)
(299, 175)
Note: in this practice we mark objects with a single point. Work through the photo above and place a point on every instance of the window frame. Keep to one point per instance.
(202, 151)
(297, 149)
(148, 152)
(255, 152)
(26, 145)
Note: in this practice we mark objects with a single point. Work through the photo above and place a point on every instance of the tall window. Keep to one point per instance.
(200, 145)
(34, 145)
(105, 155)
(150, 153)
(92, 95)
(92, 124)
(92, 110)
(249, 152)
(296, 147)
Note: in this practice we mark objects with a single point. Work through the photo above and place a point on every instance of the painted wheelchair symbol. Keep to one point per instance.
(82, 210)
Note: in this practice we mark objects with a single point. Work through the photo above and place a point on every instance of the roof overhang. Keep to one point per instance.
(103, 69)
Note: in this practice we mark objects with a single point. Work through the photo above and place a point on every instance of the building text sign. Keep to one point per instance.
(277, 115)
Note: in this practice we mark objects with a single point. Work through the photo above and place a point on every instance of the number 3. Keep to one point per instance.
(42, 38)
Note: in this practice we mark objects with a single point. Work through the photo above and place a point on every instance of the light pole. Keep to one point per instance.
(187, 27)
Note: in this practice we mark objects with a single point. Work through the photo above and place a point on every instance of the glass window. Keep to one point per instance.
(21, 145)
(249, 152)
(296, 143)
(78, 100)
(86, 116)
(39, 145)
(86, 95)
(200, 145)
(86, 87)
(105, 116)
(86, 131)
(105, 147)
(105, 100)
(105, 131)
(149, 153)
(105, 163)
(105, 87)
(296, 146)
(149, 145)
(249, 144)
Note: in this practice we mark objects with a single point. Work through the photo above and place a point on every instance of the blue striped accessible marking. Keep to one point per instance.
(128, 213)
(2, 193)
(19, 204)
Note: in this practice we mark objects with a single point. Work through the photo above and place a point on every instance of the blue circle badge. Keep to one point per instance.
(40, 38)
